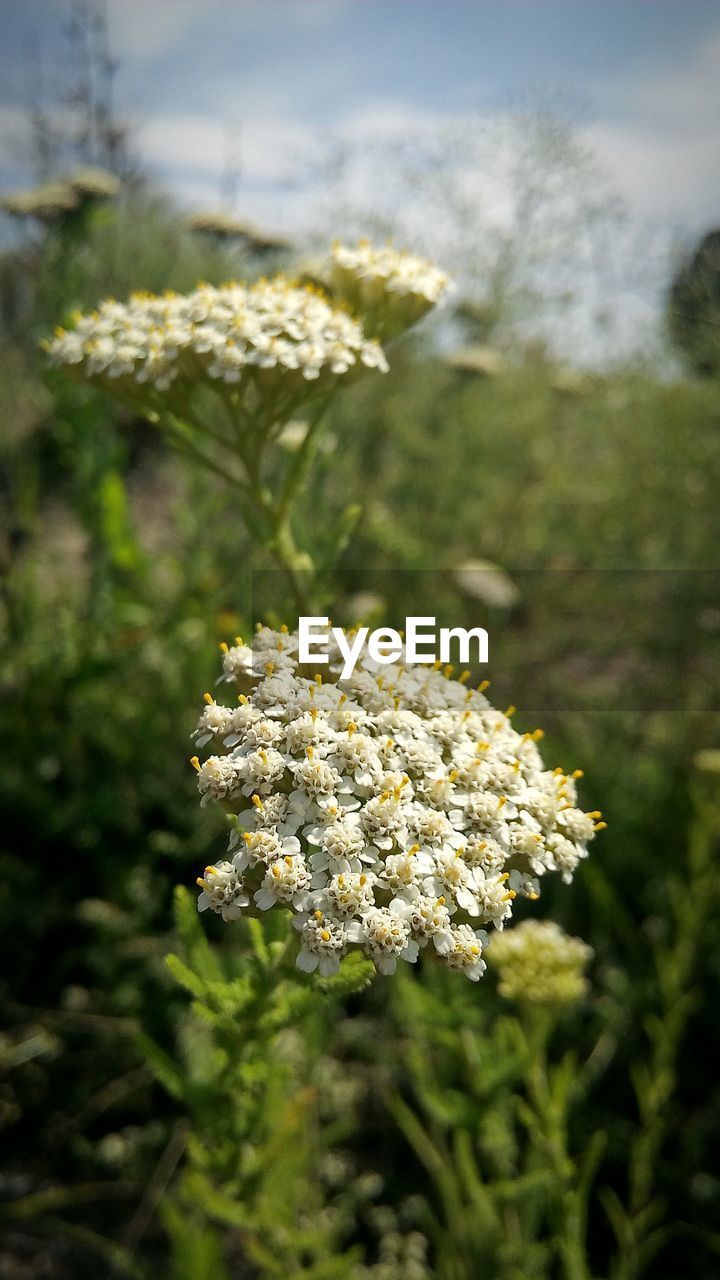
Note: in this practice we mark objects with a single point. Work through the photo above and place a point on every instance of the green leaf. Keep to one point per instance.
(197, 1252)
(185, 976)
(257, 938)
(356, 973)
(198, 951)
(162, 1066)
(115, 521)
(617, 1216)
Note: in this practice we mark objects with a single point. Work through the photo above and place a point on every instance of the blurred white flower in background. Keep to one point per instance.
(483, 580)
(483, 361)
(293, 435)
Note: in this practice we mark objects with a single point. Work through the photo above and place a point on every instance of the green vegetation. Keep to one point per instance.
(694, 307)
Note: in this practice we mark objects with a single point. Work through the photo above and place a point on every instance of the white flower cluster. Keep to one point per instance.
(538, 963)
(388, 291)
(227, 334)
(395, 272)
(389, 811)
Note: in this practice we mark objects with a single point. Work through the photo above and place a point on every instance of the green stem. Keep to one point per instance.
(183, 441)
(289, 559)
(549, 1097)
(279, 541)
(267, 520)
(300, 464)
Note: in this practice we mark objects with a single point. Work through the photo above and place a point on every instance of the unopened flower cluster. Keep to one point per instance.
(388, 289)
(399, 272)
(227, 335)
(538, 963)
(394, 810)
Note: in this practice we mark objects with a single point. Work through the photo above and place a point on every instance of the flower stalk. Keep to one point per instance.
(551, 1091)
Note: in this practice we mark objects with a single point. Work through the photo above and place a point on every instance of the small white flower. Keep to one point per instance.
(274, 694)
(348, 893)
(358, 756)
(521, 883)
(324, 942)
(386, 937)
(317, 778)
(485, 853)
(384, 820)
(576, 825)
(307, 730)
(260, 769)
(433, 828)
(264, 733)
(492, 898)
(216, 721)
(264, 847)
(286, 880)
(430, 918)
(565, 854)
(222, 891)
(340, 844)
(403, 872)
(268, 813)
(465, 953)
(219, 778)
(451, 875)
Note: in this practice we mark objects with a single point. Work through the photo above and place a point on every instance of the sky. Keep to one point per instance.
(289, 80)
(641, 78)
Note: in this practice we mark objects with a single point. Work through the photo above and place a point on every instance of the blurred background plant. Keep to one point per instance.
(399, 1132)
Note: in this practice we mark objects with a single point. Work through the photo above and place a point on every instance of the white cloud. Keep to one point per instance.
(661, 142)
(142, 29)
(388, 118)
(177, 142)
(269, 151)
(661, 175)
(13, 135)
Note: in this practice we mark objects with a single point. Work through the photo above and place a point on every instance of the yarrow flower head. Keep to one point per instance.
(396, 814)
(538, 963)
(221, 225)
(388, 290)
(92, 183)
(259, 343)
(216, 223)
(54, 202)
